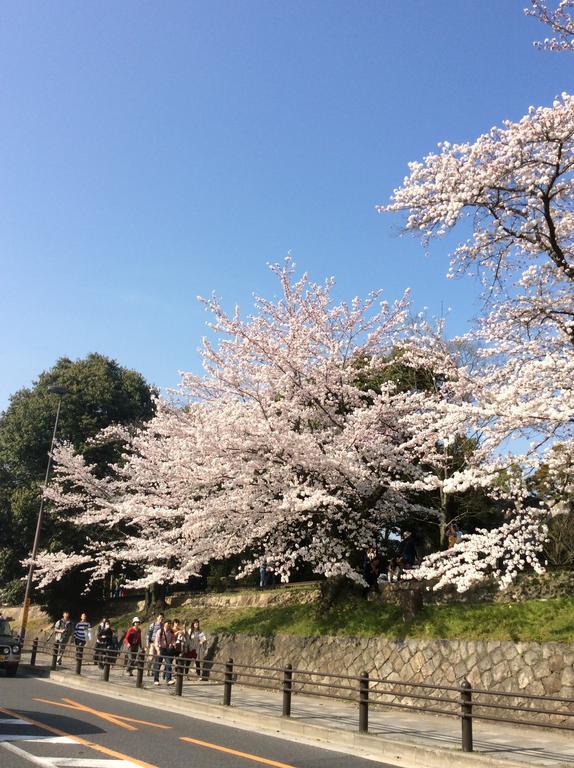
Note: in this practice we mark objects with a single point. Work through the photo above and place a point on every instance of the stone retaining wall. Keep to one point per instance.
(527, 668)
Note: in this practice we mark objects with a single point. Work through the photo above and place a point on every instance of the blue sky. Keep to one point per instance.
(151, 152)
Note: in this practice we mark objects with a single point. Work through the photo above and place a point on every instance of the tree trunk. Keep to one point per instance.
(155, 598)
(411, 600)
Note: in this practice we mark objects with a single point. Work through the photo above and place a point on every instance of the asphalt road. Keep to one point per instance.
(53, 726)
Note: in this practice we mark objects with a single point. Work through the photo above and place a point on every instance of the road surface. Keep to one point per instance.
(53, 726)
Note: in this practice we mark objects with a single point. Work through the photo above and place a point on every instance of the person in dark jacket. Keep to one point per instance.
(372, 570)
(407, 552)
(104, 642)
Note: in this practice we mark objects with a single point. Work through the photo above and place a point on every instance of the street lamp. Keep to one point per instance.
(60, 391)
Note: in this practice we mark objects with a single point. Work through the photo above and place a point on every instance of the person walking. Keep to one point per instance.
(61, 632)
(133, 643)
(180, 646)
(152, 631)
(98, 646)
(197, 645)
(82, 631)
(104, 643)
(164, 652)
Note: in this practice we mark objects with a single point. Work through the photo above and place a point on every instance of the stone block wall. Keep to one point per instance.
(504, 667)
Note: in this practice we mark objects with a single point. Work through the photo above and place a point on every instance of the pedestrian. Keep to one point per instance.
(394, 570)
(104, 643)
(164, 643)
(61, 632)
(407, 551)
(197, 645)
(452, 535)
(153, 629)
(133, 644)
(371, 570)
(180, 645)
(263, 574)
(98, 646)
(82, 631)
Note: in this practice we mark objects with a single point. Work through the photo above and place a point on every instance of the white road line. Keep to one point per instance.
(50, 739)
(67, 762)
(86, 762)
(43, 739)
(12, 721)
(41, 761)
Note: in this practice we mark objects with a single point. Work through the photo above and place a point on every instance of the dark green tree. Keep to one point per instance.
(99, 393)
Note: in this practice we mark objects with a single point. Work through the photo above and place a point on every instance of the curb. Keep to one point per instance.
(399, 753)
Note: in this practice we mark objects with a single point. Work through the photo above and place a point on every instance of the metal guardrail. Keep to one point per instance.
(364, 690)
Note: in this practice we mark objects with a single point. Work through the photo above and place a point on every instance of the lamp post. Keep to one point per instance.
(60, 391)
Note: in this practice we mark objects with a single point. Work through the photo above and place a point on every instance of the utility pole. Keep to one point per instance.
(60, 391)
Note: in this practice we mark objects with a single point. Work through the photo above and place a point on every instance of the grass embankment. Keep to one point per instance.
(538, 621)
(532, 620)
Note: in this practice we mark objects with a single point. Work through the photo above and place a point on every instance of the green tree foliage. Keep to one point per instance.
(99, 393)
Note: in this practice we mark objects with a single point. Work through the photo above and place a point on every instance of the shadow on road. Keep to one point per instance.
(71, 725)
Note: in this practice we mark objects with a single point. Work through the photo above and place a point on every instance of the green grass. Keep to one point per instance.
(531, 620)
(534, 620)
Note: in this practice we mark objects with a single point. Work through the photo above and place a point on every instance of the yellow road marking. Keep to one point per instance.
(79, 739)
(145, 722)
(106, 715)
(81, 708)
(246, 755)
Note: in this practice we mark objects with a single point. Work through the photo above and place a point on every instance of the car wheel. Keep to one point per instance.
(11, 670)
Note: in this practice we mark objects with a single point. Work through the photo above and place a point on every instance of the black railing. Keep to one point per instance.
(463, 701)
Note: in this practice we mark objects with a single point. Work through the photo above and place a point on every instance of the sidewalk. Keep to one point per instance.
(402, 737)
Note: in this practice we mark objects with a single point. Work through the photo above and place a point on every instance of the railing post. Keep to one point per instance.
(227, 682)
(287, 689)
(107, 663)
(79, 657)
(140, 662)
(179, 676)
(364, 702)
(55, 650)
(34, 652)
(466, 715)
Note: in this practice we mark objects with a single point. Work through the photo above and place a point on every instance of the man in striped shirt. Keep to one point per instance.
(82, 631)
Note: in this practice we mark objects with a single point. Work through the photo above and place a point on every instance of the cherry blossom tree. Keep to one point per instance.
(560, 20)
(514, 184)
(514, 187)
(275, 450)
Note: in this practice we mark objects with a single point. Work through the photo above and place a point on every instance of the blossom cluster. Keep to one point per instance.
(499, 554)
(560, 20)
